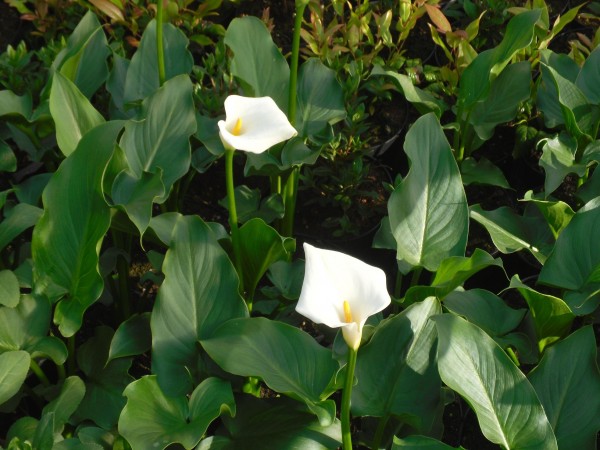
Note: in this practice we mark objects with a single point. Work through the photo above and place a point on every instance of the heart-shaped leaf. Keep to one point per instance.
(9, 289)
(199, 293)
(66, 240)
(567, 382)
(428, 210)
(286, 358)
(507, 407)
(397, 372)
(150, 419)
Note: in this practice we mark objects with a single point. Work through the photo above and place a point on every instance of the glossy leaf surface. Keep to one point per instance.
(507, 407)
(14, 366)
(428, 210)
(199, 293)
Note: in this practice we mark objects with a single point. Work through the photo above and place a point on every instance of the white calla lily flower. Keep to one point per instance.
(341, 291)
(254, 124)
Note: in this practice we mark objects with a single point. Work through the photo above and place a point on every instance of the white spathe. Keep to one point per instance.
(254, 124)
(332, 278)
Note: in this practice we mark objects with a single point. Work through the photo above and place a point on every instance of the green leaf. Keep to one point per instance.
(63, 406)
(428, 210)
(587, 192)
(83, 60)
(507, 407)
(274, 424)
(476, 79)
(552, 317)
(142, 74)
(133, 337)
(105, 380)
(30, 190)
(486, 310)
(150, 419)
(558, 160)
(287, 277)
(502, 103)
(8, 160)
(420, 443)
(66, 240)
(286, 358)
(422, 100)
(9, 289)
(72, 112)
(199, 293)
(161, 139)
(511, 232)
(576, 253)
(558, 214)
(587, 80)
(482, 172)
(136, 195)
(26, 326)
(15, 106)
(257, 62)
(14, 366)
(397, 371)
(567, 382)
(320, 98)
(22, 217)
(249, 205)
(261, 245)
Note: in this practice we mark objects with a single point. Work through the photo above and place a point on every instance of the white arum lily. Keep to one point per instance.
(253, 124)
(341, 291)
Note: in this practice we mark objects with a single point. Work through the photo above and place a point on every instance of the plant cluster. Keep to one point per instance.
(130, 318)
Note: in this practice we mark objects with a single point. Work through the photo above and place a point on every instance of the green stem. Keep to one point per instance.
(346, 395)
(291, 186)
(62, 374)
(122, 241)
(415, 276)
(290, 195)
(37, 370)
(159, 43)
(233, 221)
(379, 432)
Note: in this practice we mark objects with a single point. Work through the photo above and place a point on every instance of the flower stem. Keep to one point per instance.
(233, 221)
(346, 395)
(379, 433)
(290, 193)
(159, 42)
(35, 368)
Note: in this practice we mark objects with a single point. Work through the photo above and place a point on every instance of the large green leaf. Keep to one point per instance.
(397, 371)
(574, 263)
(261, 245)
(482, 171)
(161, 140)
(576, 253)
(286, 358)
(273, 424)
(199, 293)
(428, 211)
(142, 80)
(14, 366)
(452, 273)
(63, 406)
(72, 112)
(558, 214)
(320, 98)
(105, 380)
(9, 289)
(15, 106)
(502, 103)
(588, 77)
(486, 310)
(67, 238)
(152, 420)
(552, 317)
(26, 327)
(83, 60)
(567, 382)
(511, 232)
(257, 62)
(476, 79)
(133, 337)
(21, 217)
(507, 407)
